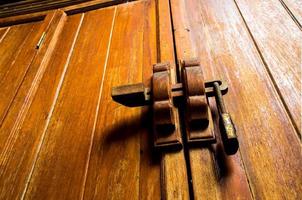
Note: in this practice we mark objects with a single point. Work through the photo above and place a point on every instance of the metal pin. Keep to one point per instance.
(227, 128)
(41, 40)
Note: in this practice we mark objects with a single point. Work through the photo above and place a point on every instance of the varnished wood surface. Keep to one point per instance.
(71, 125)
(15, 162)
(280, 46)
(270, 150)
(174, 179)
(62, 136)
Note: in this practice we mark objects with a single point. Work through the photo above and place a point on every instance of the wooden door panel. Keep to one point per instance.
(15, 163)
(174, 176)
(26, 64)
(12, 72)
(67, 141)
(269, 147)
(11, 44)
(279, 41)
(114, 168)
(29, 136)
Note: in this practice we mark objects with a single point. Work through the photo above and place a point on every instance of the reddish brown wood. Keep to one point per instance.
(29, 137)
(149, 184)
(67, 141)
(166, 125)
(269, 145)
(19, 97)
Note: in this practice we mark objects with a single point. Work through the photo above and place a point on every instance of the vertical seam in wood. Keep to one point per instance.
(291, 14)
(141, 110)
(4, 34)
(39, 146)
(158, 57)
(182, 125)
(98, 106)
(271, 78)
(274, 84)
(26, 71)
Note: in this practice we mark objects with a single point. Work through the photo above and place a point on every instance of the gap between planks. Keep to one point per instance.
(98, 105)
(271, 77)
(52, 107)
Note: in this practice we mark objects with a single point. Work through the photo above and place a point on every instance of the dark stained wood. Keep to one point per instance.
(26, 7)
(282, 58)
(90, 5)
(20, 159)
(67, 141)
(14, 20)
(269, 146)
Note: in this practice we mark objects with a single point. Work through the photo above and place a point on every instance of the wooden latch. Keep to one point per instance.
(190, 96)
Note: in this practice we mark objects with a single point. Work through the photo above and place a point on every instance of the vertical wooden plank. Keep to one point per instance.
(11, 45)
(173, 165)
(214, 175)
(150, 187)
(269, 146)
(22, 150)
(18, 104)
(114, 168)
(11, 70)
(280, 45)
(28, 56)
(60, 169)
(3, 33)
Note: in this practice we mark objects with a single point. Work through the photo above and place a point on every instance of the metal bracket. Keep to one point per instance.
(190, 95)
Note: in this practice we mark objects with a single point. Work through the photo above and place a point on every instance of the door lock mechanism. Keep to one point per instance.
(190, 96)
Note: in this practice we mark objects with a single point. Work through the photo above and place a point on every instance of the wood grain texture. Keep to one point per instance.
(16, 60)
(62, 160)
(16, 167)
(280, 45)
(114, 167)
(150, 187)
(295, 10)
(214, 174)
(25, 74)
(269, 147)
(173, 165)
(11, 45)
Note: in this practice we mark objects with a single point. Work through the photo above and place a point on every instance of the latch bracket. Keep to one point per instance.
(191, 96)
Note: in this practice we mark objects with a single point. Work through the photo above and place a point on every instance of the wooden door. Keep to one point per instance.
(63, 137)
